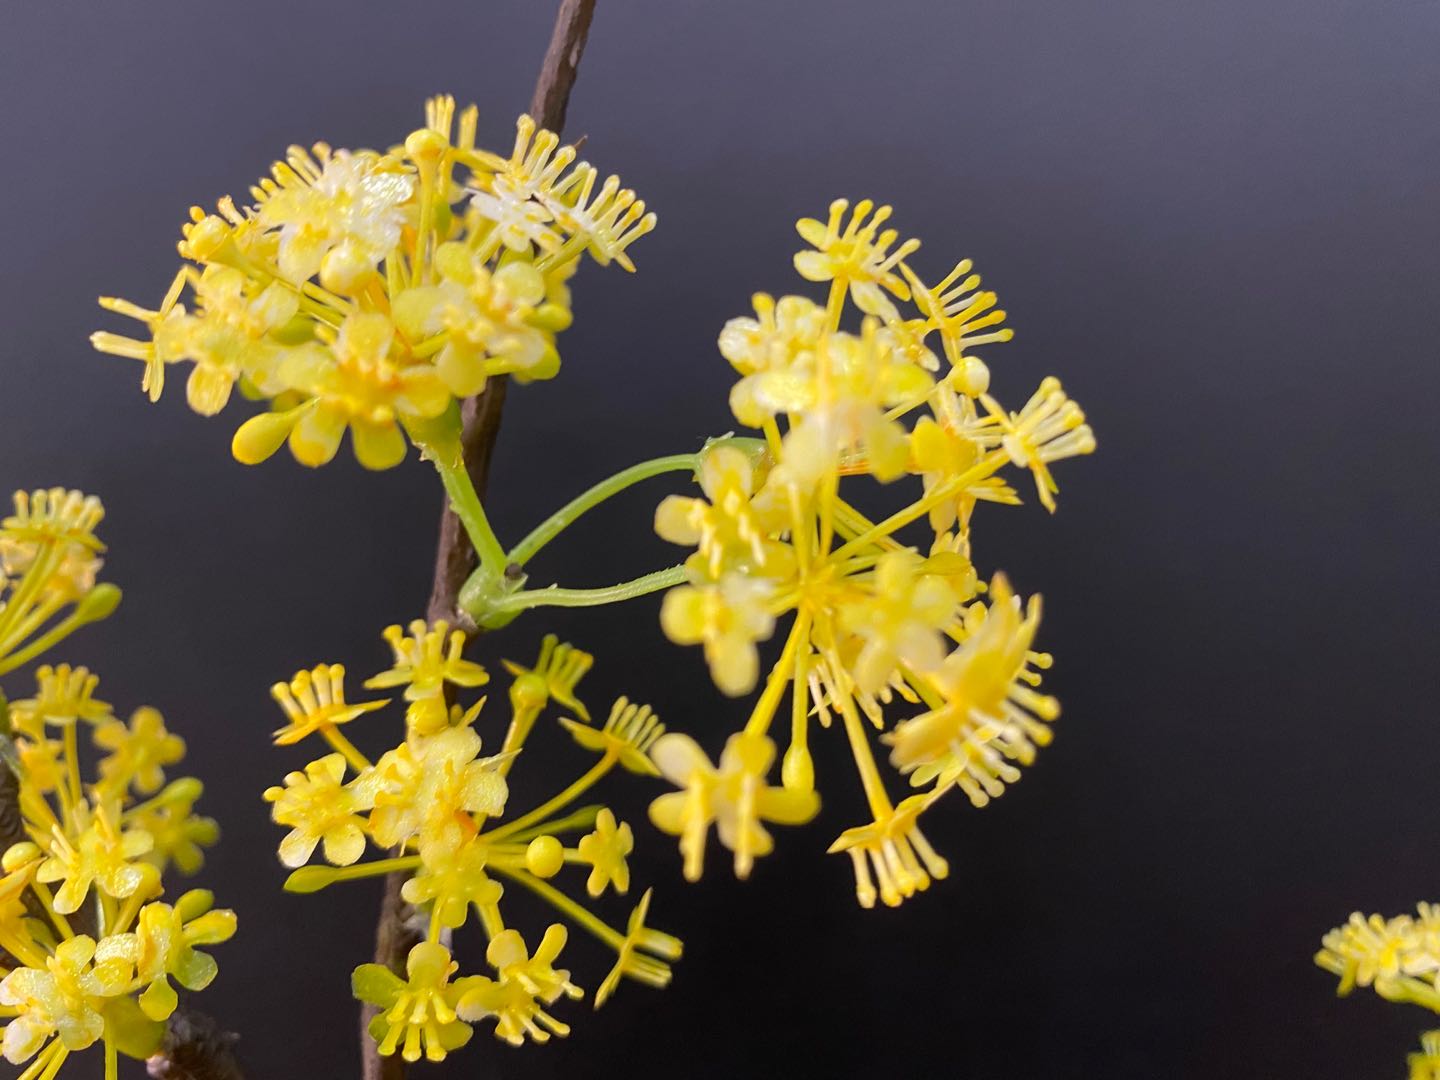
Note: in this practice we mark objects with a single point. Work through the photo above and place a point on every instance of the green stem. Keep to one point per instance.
(471, 512)
(557, 597)
(439, 440)
(566, 516)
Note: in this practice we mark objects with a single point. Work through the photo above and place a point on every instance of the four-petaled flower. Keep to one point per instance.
(605, 850)
(425, 660)
(138, 753)
(525, 984)
(417, 1014)
(314, 701)
(734, 797)
(320, 807)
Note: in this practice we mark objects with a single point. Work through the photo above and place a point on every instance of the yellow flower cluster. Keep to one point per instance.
(874, 619)
(367, 291)
(1398, 958)
(88, 950)
(436, 810)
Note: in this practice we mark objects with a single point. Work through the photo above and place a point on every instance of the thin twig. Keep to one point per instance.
(454, 557)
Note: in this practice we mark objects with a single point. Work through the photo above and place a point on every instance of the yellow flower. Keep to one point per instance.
(959, 312)
(320, 807)
(516, 221)
(493, 323)
(417, 1014)
(314, 701)
(425, 660)
(230, 336)
(900, 621)
(555, 675)
(525, 985)
(605, 222)
(44, 763)
(1386, 954)
(858, 257)
(64, 695)
(451, 878)
(903, 859)
(104, 853)
(364, 291)
(989, 715)
(950, 445)
(165, 939)
(784, 334)
(605, 850)
(730, 527)
(355, 383)
(628, 734)
(66, 999)
(734, 797)
(844, 418)
(632, 960)
(138, 753)
(1050, 427)
(728, 618)
(1425, 1065)
(179, 832)
(52, 517)
(332, 213)
(427, 781)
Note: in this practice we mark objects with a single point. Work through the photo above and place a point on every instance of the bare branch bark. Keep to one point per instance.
(454, 557)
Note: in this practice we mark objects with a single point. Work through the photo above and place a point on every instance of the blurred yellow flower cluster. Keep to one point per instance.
(88, 950)
(1398, 958)
(367, 291)
(437, 810)
(874, 619)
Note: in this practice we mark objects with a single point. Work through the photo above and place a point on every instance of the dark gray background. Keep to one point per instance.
(1216, 221)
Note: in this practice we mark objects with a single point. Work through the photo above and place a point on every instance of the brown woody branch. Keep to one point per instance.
(454, 557)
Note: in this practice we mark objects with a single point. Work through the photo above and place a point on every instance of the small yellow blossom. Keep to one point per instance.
(64, 695)
(1049, 428)
(314, 701)
(628, 734)
(728, 618)
(357, 383)
(165, 939)
(903, 860)
(48, 517)
(104, 854)
(139, 752)
(417, 1014)
(179, 833)
(44, 763)
(632, 959)
(525, 985)
(605, 850)
(729, 527)
(555, 675)
(425, 661)
(990, 714)
(900, 622)
(1425, 1064)
(320, 807)
(451, 878)
(427, 781)
(1389, 955)
(859, 257)
(958, 311)
(733, 796)
(66, 999)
